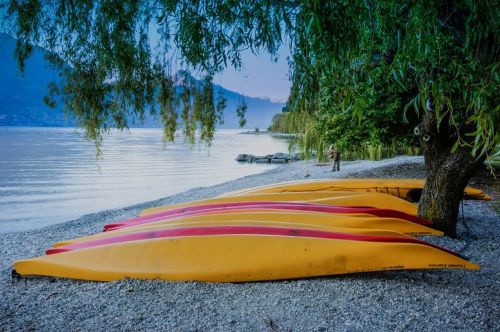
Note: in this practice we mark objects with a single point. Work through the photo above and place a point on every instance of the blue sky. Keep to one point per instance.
(260, 76)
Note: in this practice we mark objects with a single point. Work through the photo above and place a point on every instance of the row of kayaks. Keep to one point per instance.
(281, 231)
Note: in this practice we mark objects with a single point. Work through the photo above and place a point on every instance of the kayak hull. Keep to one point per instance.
(282, 206)
(239, 254)
(408, 189)
(196, 228)
(339, 198)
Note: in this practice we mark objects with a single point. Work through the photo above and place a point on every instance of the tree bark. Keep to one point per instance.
(447, 174)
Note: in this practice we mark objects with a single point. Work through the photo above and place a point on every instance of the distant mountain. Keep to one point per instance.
(259, 114)
(21, 98)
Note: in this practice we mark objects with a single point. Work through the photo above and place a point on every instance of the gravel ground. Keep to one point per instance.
(414, 300)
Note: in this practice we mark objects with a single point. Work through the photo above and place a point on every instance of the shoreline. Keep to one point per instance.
(429, 300)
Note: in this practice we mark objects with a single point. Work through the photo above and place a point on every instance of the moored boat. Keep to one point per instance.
(241, 253)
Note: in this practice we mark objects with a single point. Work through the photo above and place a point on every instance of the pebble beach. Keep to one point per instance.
(424, 300)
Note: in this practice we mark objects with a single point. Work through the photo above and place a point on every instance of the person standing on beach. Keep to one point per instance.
(334, 155)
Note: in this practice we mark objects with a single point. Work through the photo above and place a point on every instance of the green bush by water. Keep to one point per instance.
(310, 145)
(493, 159)
(375, 136)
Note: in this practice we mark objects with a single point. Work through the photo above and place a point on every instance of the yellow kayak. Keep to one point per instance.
(239, 254)
(338, 198)
(105, 236)
(408, 189)
(319, 221)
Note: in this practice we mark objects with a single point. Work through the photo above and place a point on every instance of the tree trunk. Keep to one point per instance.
(447, 174)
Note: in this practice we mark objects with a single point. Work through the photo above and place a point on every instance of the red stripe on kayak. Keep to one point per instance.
(237, 230)
(385, 213)
(190, 209)
(219, 210)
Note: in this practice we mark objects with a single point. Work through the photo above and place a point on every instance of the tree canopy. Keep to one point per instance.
(434, 56)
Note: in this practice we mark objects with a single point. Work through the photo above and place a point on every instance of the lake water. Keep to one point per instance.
(50, 175)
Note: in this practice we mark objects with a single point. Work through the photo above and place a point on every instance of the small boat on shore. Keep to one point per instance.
(239, 254)
(408, 189)
(195, 227)
(336, 198)
(285, 206)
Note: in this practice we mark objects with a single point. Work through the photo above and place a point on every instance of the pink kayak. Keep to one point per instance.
(236, 230)
(221, 207)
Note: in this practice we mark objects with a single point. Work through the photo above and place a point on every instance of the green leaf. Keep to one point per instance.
(455, 146)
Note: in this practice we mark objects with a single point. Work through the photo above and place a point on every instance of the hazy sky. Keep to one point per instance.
(259, 77)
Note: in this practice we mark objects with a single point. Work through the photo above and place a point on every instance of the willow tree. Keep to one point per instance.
(439, 57)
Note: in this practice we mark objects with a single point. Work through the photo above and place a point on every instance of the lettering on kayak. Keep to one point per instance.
(418, 233)
(394, 267)
(383, 268)
(447, 266)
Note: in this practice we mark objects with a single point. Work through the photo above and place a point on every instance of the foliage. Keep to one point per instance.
(291, 122)
(240, 111)
(279, 124)
(309, 140)
(373, 59)
(365, 139)
(379, 151)
(494, 158)
(115, 58)
(380, 127)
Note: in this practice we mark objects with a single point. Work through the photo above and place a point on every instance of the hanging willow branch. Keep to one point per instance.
(113, 67)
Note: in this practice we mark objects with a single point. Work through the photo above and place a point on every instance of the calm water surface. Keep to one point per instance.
(50, 175)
